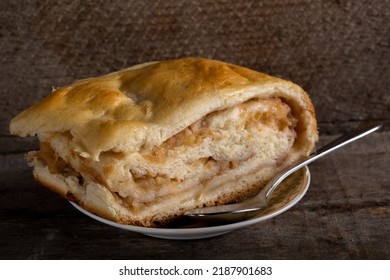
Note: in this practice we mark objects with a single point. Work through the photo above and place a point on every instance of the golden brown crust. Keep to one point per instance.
(149, 103)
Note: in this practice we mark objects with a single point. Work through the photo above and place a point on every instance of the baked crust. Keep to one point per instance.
(149, 103)
(140, 108)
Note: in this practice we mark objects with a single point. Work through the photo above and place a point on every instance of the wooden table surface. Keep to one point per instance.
(338, 51)
(344, 215)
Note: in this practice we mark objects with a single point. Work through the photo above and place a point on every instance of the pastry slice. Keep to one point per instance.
(145, 144)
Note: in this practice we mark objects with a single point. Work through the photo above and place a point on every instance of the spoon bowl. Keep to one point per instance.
(288, 194)
(291, 189)
(250, 207)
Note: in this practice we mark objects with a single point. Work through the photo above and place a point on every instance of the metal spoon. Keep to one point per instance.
(251, 206)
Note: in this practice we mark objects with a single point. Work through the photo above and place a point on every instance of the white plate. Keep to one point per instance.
(286, 196)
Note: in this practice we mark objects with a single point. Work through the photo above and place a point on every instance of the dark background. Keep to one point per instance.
(338, 51)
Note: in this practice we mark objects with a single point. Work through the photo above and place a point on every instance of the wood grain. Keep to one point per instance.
(344, 215)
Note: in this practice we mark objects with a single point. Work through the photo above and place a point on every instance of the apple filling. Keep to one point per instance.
(255, 134)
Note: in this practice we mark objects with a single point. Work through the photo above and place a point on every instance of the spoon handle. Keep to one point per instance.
(335, 144)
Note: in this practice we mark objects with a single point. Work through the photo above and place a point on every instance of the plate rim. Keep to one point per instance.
(206, 231)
